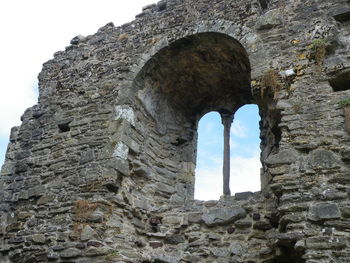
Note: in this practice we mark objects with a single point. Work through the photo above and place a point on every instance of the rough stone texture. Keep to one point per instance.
(102, 169)
(222, 216)
(324, 211)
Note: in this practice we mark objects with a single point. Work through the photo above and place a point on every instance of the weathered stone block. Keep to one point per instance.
(270, 19)
(20, 167)
(346, 211)
(36, 191)
(43, 200)
(236, 249)
(343, 225)
(194, 217)
(87, 156)
(262, 225)
(221, 216)
(325, 243)
(167, 258)
(243, 195)
(87, 233)
(15, 240)
(39, 238)
(7, 168)
(324, 211)
(243, 223)
(283, 157)
(323, 159)
(119, 165)
(97, 251)
(175, 239)
(52, 255)
(70, 253)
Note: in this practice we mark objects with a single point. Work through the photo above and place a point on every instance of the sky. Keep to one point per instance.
(32, 31)
(245, 154)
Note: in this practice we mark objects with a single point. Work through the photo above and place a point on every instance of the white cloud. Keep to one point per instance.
(245, 176)
(238, 129)
(208, 184)
(13, 103)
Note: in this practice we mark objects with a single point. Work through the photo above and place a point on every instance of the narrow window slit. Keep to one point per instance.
(343, 16)
(264, 4)
(63, 126)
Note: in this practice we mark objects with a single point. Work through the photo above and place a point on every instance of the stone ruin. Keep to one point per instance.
(102, 168)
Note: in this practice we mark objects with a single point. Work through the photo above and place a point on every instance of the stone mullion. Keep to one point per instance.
(226, 119)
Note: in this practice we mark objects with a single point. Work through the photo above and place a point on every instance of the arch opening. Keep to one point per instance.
(174, 89)
(197, 74)
(245, 150)
(208, 174)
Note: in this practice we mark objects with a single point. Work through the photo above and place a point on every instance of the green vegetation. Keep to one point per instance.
(345, 102)
(318, 50)
(318, 43)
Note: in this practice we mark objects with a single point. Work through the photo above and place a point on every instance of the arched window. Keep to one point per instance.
(245, 153)
(208, 181)
(192, 76)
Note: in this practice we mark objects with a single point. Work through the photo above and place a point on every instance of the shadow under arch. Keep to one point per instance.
(176, 87)
(199, 73)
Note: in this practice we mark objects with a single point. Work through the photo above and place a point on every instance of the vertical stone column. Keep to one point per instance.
(226, 119)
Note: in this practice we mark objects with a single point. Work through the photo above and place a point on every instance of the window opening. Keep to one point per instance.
(208, 181)
(264, 3)
(244, 159)
(245, 150)
(343, 16)
(64, 127)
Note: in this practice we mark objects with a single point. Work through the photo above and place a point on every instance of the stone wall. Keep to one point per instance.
(102, 169)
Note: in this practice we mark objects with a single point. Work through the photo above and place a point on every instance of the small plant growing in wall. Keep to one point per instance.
(346, 105)
(318, 50)
(270, 83)
(83, 210)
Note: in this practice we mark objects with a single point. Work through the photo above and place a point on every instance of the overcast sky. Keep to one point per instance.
(32, 31)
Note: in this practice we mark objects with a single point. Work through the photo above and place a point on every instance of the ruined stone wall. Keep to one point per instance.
(102, 169)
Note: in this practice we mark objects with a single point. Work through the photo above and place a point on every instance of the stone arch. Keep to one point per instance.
(216, 54)
(194, 75)
(244, 35)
